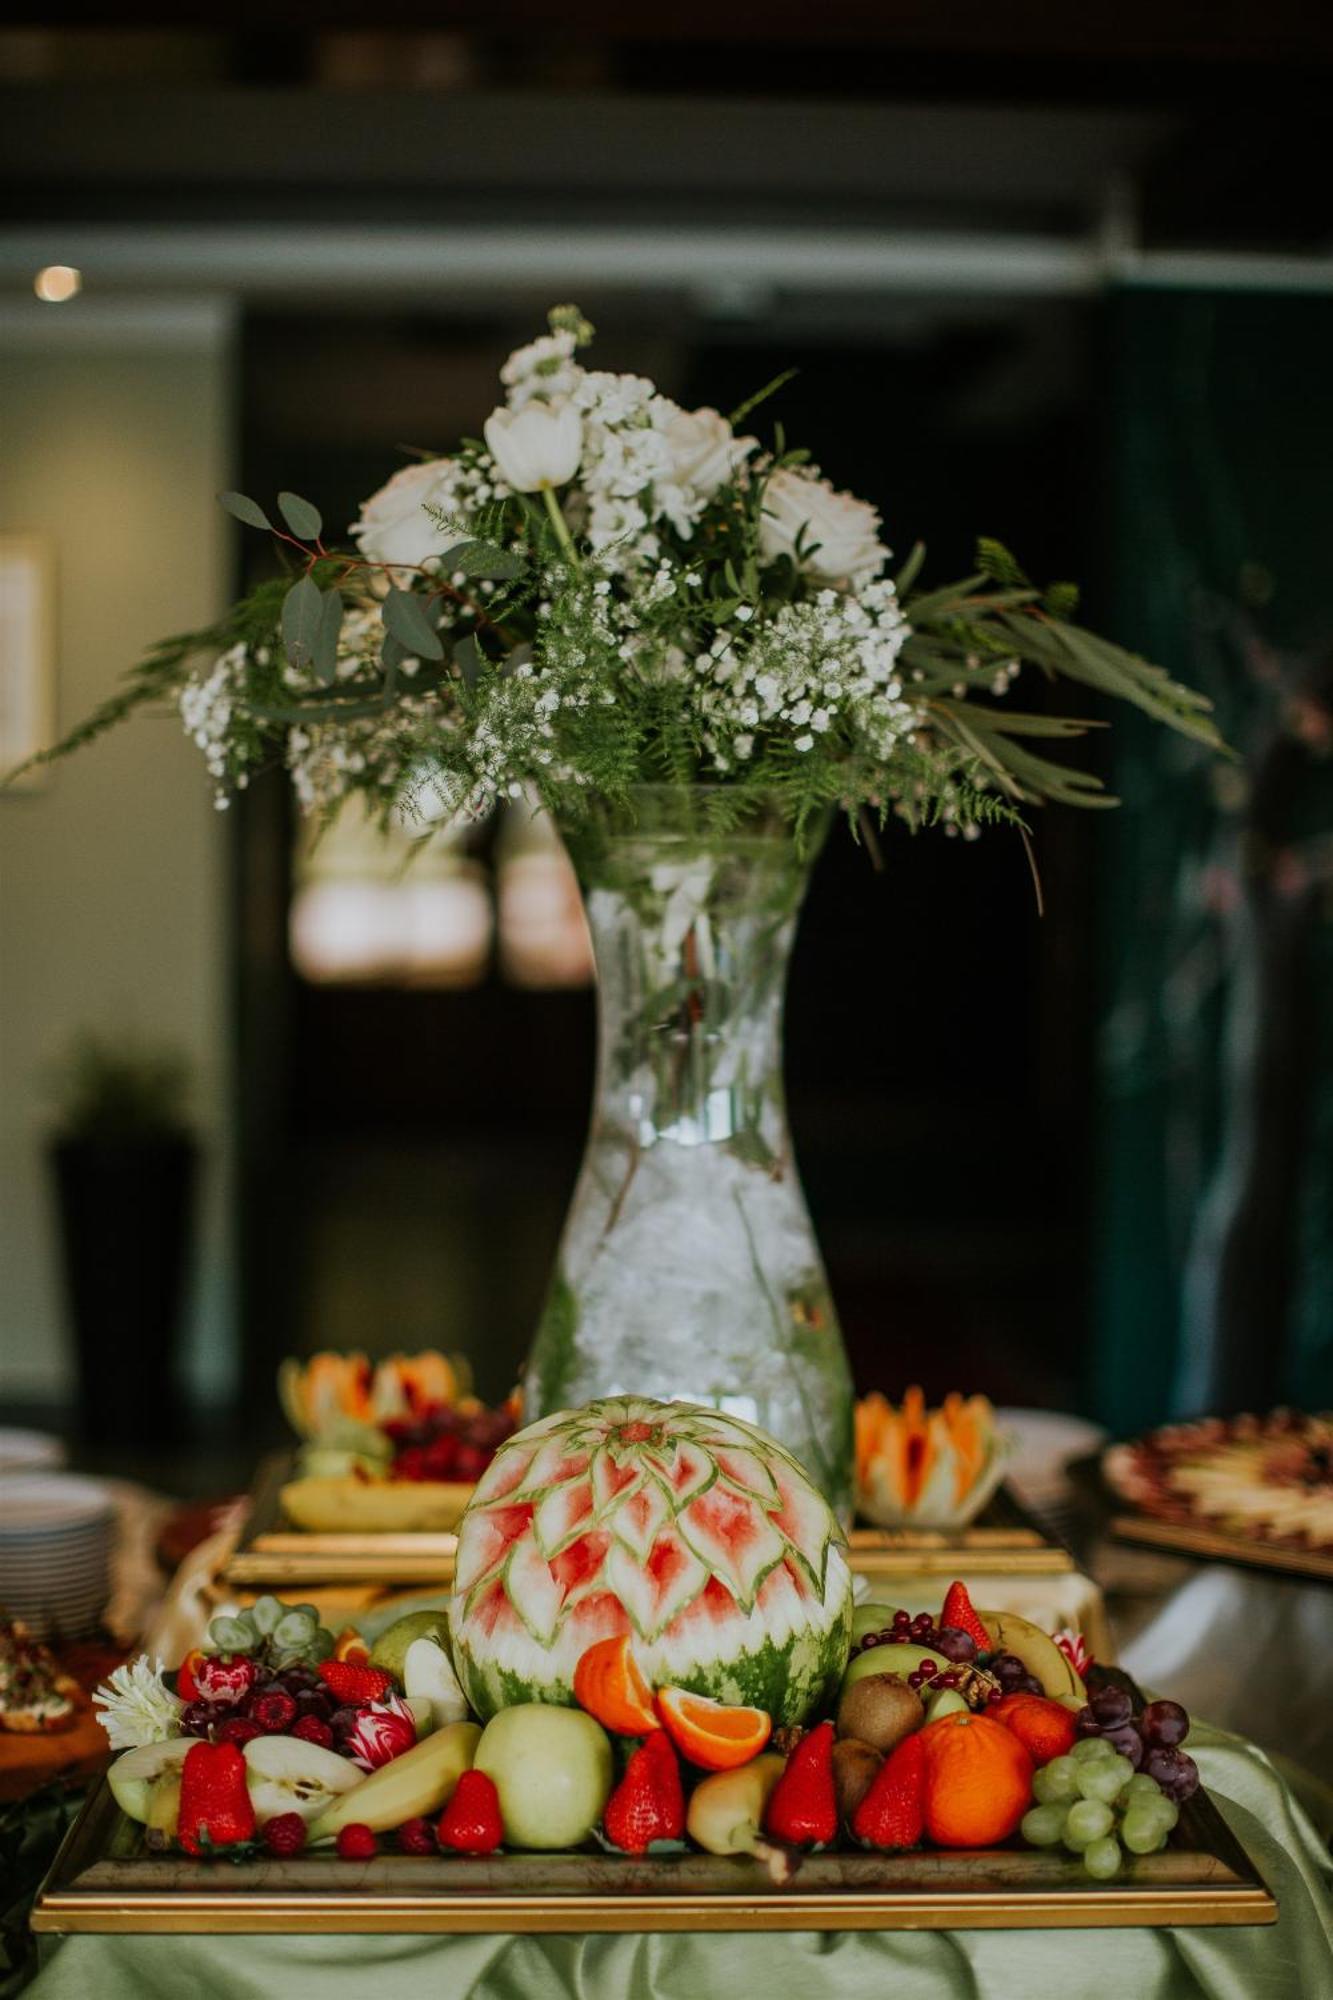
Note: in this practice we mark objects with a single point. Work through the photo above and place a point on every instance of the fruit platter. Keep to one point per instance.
(1250, 1489)
(650, 1702)
(388, 1457)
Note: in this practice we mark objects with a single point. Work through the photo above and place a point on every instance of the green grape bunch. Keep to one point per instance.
(277, 1635)
(1094, 1803)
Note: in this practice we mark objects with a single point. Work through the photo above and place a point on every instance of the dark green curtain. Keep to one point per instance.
(1215, 1054)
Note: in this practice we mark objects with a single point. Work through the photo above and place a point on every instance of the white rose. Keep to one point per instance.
(840, 542)
(539, 445)
(704, 449)
(394, 526)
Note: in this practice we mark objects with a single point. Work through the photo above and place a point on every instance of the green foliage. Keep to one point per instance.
(120, 1090)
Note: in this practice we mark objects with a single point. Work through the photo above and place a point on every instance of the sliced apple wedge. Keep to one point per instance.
(135, 1772)
(428, 1671)
(285, 1774)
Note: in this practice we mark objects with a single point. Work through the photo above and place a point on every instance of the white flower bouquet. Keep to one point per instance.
(611, 591)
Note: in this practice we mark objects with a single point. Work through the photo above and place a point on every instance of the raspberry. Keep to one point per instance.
(417, 1836)
(356, 1843)
(285, 1834)
(274, 1711)
(237, 1729)
(313, 1729)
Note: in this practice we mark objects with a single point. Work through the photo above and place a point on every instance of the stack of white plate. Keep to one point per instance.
(29, 1451)
(55, 1552)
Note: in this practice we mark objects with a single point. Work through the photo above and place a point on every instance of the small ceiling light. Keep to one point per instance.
(57, 282)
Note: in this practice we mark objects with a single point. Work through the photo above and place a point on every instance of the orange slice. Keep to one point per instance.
(349, 1645)
(710, 1734)
(610, 1687)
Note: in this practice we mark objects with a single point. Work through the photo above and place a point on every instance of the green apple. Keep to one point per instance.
(285, 1774)
(552, 1770)
(870, 1618)
(892, 1660)
(135, 1772)
(944, 1701)
(390, 1649)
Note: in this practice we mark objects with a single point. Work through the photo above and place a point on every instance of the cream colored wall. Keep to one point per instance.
(114, 438)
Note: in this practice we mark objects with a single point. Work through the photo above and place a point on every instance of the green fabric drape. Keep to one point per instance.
(1215, 1126)
(1279, 1962)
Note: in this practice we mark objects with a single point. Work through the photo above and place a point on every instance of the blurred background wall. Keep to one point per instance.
(116, 432)
(1064, 277)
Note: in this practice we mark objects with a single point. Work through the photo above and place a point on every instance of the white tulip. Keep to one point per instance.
(839, 534)
(537, 446)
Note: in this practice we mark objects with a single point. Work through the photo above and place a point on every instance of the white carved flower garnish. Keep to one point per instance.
(136, 1707)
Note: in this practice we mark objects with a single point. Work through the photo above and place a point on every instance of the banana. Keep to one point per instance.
(420, 1781)
(375, 1506)
(1036, 1649)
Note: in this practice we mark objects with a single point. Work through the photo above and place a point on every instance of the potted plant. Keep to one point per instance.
(126, 1162)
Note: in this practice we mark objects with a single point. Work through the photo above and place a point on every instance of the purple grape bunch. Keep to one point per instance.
(1150, 1740)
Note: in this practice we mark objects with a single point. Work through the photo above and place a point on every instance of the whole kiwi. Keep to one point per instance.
(855, 1767)
(880, 1710)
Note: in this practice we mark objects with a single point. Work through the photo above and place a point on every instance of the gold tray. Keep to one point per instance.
(103, 1881)
(1004, 1539)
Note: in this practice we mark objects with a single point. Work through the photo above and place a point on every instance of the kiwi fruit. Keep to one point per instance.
(855, 1768)
(880, 1710)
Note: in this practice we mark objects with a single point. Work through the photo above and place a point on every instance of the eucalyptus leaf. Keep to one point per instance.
(481, 559)
(301, 517)
(405, 617)
(245, 509)
(302, 612)
(467, 658)
(392, 653)
(326, 639)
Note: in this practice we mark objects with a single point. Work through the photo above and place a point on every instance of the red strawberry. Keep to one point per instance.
(225, 1678)
(892, 1813)
(803, 1808)
(215, 1809)
(471, 1822)
(648, 1804)
(355, 1686)
(958, 1612)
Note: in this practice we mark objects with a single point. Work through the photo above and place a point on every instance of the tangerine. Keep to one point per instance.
(1045, 1728)
(978, 1780)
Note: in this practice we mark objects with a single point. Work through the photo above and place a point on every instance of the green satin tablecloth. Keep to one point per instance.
(1292, 1960)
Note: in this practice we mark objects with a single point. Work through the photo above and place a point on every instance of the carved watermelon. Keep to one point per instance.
(685, 1527)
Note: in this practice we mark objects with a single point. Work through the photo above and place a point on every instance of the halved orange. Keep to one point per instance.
(350, 1646)
(609, 1685)
(709, 1733)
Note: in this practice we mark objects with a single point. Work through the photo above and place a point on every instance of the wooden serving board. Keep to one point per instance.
(271, 1553)
(1183, 1538)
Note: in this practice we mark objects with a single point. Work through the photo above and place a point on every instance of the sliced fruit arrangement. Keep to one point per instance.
(389, 1446)
(886, 1729)
(923, 1468)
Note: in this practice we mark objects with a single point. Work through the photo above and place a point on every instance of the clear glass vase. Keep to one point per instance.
(688, 1267)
